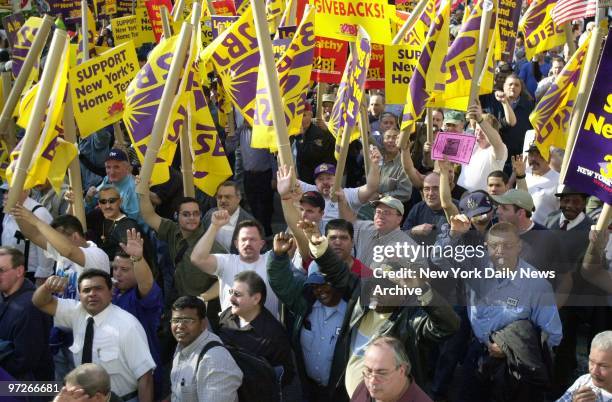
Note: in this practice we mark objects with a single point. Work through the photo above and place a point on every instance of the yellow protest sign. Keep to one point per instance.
(400, 63)
(144, 25)
(339, 19)
(111, 7)
(126, 29)
(98, 87)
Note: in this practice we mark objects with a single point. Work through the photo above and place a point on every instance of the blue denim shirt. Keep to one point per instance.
(494, 303)
(319, 342)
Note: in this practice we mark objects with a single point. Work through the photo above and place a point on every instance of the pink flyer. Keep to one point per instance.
(456, 147)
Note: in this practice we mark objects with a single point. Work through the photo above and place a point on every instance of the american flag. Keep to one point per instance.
(568, 10)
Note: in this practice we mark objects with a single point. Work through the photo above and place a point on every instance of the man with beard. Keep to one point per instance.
(319, 311)
(228, 198)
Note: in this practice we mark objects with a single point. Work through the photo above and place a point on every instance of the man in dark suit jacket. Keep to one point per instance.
(228, 197)
(572, 226)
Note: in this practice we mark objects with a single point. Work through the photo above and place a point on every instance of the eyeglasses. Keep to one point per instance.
(235, 293)
(182, 320)
(385, 212)
(369, 374)
(187, 214)
(108, 201)
(503, 245)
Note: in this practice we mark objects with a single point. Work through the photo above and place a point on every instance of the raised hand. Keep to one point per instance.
(460, 223)
(311, 231)
(375, 155)
(283, 180)
(134, 245)
(56, 284)
(282, 243)
(220, 218)
(519, 164)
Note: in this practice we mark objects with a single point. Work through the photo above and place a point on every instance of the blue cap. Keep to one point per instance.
(475, 203)
(315, 277)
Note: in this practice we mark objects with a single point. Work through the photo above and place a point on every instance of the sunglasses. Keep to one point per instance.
(108, 201)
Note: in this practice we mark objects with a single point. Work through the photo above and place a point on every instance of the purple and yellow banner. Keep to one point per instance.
(12, 24)
(590, 166)
(430, 69)
(348, 99)
(293, 69)
(462, 56)
(236, 60)
(539, 30)
(551, 116)
(508, 14)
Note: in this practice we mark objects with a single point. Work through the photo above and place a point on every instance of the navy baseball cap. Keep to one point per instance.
(117, 154)
(476, 203)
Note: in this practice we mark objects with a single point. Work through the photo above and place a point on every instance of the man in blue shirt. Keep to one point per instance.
(501, 289)
(136, 292)
(319, 311)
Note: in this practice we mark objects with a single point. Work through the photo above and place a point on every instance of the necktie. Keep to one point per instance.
(564, 225)
(88, 343)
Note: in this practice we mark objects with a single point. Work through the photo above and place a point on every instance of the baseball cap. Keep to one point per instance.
(520, 198)
(315, 277)
(532, 148)
(325, 168)
(328, 98)
(307, 107)
(475, 203)
(313, 198)
(117, 154)
(391, 202)
(454, 117)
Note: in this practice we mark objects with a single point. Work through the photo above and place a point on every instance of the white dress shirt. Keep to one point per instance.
(119, 344)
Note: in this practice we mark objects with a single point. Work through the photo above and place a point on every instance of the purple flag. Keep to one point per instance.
(590, 167)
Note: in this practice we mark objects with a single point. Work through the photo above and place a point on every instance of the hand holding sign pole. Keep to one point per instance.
(165, 104)
(32, 134)
(22, 78)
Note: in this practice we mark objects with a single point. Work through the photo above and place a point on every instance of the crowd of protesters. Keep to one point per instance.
(268, 290)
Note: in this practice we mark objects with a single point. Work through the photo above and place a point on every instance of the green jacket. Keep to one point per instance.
(289, 288)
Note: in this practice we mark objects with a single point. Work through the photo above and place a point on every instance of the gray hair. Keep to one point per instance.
(602, 341)
(91, 377)
(399, 352)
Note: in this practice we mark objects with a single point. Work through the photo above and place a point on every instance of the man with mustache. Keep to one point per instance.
(249, 242)
(103, 333)
(541, 183)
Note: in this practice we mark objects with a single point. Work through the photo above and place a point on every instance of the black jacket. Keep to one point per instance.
(263, 337)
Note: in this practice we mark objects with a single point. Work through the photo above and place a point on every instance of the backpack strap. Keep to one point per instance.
(205, 349)
(26, 250)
